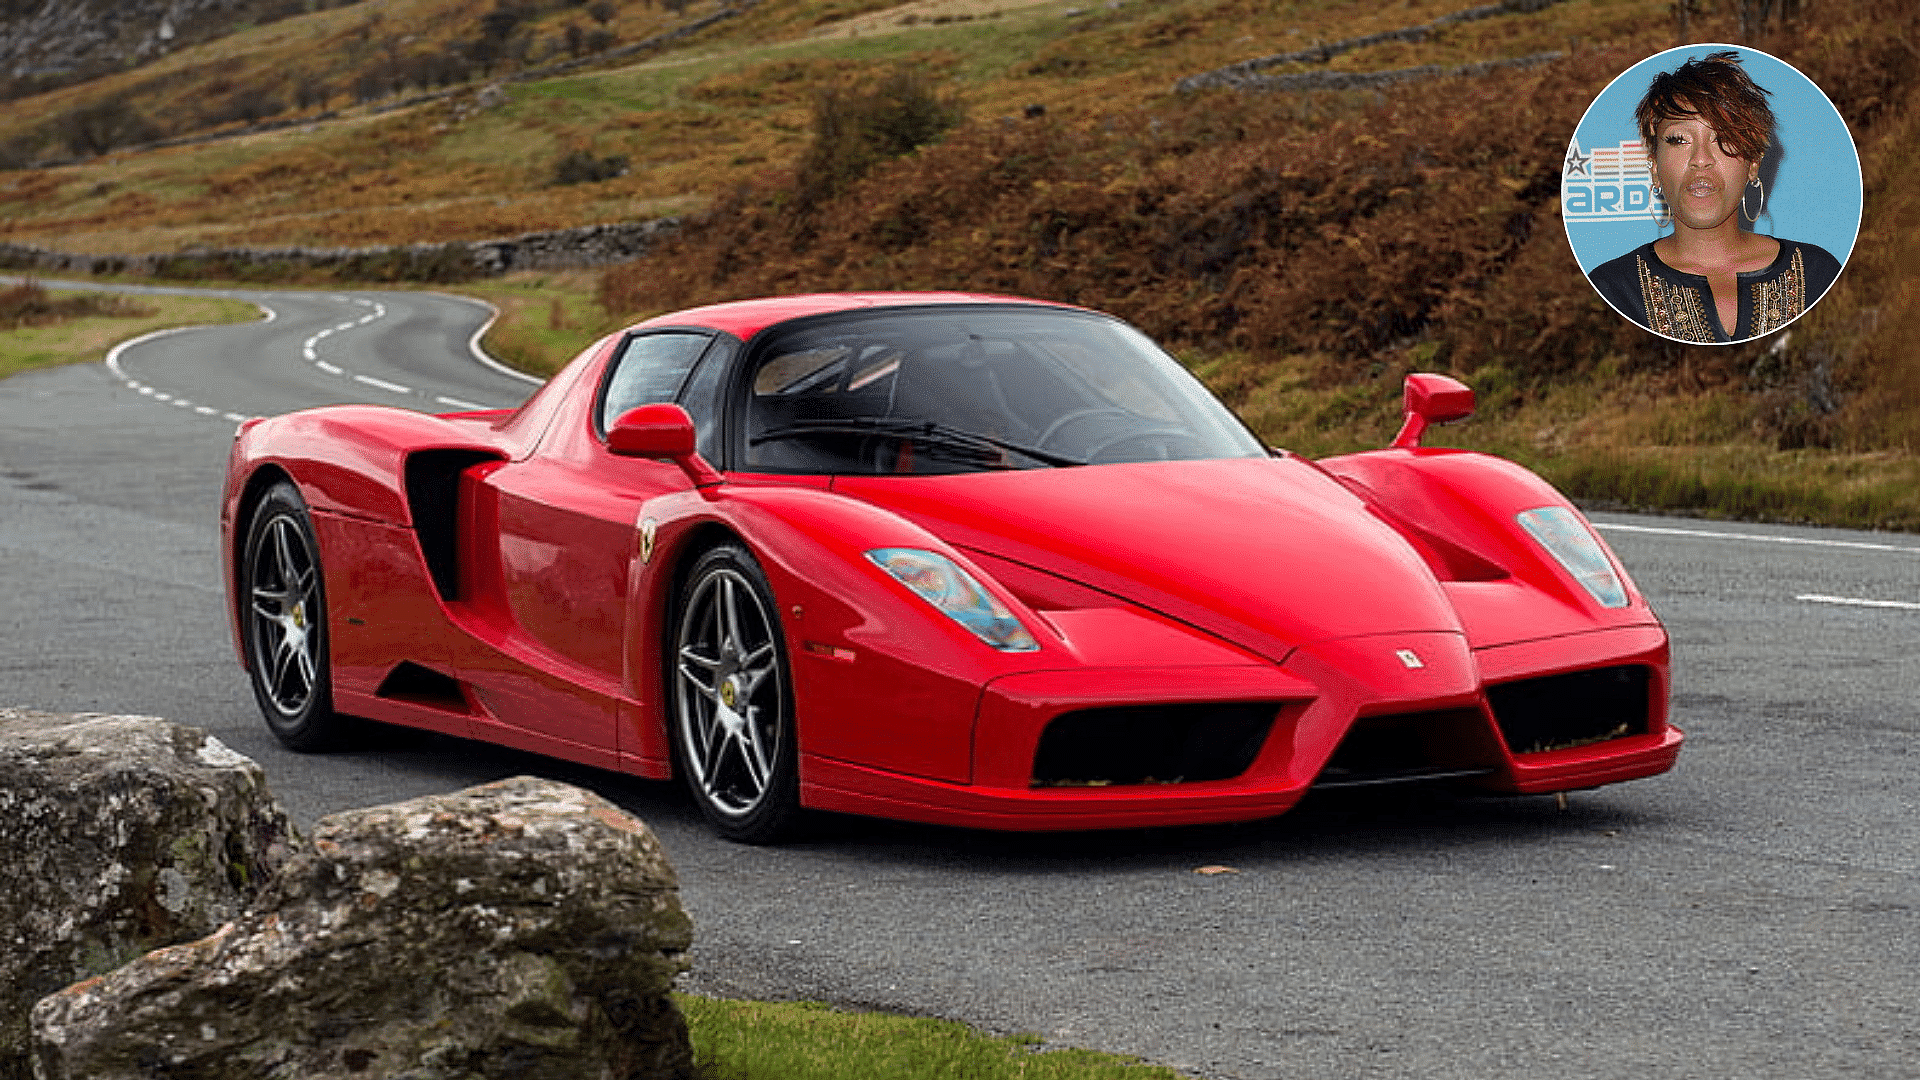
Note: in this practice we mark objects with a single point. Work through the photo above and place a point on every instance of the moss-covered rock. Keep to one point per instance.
(119, 834)
(523, 929)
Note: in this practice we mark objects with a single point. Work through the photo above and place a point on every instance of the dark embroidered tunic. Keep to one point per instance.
(1678, 305)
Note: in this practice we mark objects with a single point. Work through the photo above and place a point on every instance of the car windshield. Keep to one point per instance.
(969, 388)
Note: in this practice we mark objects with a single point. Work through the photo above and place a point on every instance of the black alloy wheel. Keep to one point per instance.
(285, 623)
(732, 700)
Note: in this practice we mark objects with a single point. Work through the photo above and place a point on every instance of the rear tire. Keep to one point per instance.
(284, 616)
(731, 706)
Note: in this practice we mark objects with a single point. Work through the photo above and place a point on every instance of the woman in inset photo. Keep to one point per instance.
(1712, 147)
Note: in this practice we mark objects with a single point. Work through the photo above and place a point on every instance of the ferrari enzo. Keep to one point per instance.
(942, 557)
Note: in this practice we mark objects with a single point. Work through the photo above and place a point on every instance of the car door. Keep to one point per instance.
(565, 521)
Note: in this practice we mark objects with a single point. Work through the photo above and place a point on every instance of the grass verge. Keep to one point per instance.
(86, 338)
(761, 1040)
(546, 318)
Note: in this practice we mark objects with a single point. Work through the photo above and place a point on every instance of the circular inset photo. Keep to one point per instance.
(1711, 193)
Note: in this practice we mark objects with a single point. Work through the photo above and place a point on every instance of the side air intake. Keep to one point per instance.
(416, 685)
(433, 501)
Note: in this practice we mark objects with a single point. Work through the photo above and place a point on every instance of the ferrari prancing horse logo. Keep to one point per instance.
(648, 528)
(1409, 658)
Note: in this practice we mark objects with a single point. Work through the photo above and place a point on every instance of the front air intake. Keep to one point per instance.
(1560, 712)
(1152, 744)
(1412, 748)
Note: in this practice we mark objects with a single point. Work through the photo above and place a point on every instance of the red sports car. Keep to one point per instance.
(943, 557)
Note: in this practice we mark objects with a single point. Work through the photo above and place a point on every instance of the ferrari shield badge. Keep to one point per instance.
(1410, 659)
(648, 528)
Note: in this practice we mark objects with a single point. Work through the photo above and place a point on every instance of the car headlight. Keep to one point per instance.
(941, 582)
(1569, 541)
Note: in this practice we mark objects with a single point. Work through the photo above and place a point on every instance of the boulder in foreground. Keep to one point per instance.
(118, 835)
(523, 929)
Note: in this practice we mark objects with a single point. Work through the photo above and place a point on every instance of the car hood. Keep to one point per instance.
(1270, 553)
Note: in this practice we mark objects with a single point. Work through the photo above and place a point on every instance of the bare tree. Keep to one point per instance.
(103, 125)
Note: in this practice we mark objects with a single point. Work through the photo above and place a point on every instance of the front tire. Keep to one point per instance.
(285, 621)
(732, 700)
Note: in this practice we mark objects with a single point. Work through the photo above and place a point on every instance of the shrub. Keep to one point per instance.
(582, 167)
(854, 130)
(29, 304)
(102, 126)
(249, 105)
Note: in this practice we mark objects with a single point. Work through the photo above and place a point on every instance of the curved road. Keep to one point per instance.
(1750, 915)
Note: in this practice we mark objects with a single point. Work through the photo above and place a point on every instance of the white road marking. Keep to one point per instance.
(1758, 538)
(1804, 541)
(383, 384)
(480, 354)
(376, 310)
(1854, 601)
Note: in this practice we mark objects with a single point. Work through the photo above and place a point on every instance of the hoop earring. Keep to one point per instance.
(1658, 222)
(1754, 217)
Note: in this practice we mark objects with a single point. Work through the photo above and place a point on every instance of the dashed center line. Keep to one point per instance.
(1854, 601)
(383, 384)
(1757, 538)
(1805, 541)
(309, 350)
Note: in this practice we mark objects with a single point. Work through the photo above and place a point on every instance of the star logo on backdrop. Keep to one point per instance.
(1576, 161)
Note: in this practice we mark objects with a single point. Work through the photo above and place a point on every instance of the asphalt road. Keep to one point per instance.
(1751, 914)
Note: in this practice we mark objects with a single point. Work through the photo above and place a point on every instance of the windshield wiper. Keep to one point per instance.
(972, 445)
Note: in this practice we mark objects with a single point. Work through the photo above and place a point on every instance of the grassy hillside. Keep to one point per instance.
(692, 121)
(1300, 250)
(1304, 251)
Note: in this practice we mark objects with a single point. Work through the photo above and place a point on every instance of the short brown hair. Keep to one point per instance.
(1718, 90)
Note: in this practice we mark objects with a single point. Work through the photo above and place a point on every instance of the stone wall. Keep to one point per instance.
(456, 260)
(1295, 82)
(1246, 75)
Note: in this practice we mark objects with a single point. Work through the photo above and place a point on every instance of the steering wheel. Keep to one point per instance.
(1092, 455)
(1053, 429)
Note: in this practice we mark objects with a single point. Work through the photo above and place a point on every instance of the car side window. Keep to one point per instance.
(649, 369)
(701, 398)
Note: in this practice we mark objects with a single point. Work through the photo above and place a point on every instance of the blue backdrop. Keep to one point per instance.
(1814, 195)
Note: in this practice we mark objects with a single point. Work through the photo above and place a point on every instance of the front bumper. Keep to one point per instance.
(1318, 697)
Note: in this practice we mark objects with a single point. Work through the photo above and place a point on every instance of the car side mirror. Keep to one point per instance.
(1431, 399)
(661, 430)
